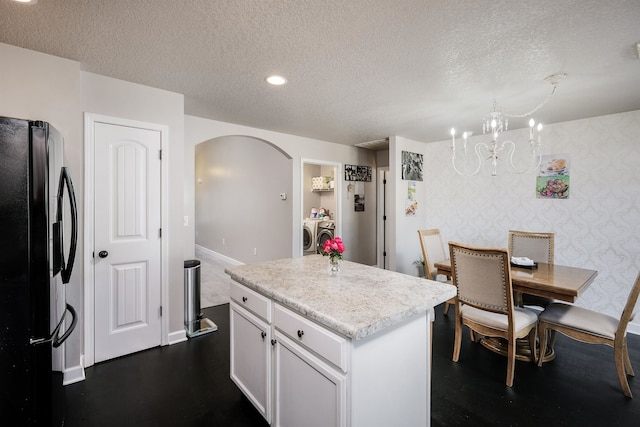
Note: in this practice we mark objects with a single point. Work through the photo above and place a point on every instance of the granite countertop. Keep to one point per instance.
(360, 301)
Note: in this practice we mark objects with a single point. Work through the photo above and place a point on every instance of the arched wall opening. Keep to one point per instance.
(243, 204)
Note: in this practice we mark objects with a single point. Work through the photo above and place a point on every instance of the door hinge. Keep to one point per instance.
(160, 311)
(384, 181)
(384, 253)
(160, 232)
(384, 217)
(160, 155)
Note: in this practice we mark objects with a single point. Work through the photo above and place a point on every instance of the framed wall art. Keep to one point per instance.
(411, 166)
(357, 173)
(553, 178)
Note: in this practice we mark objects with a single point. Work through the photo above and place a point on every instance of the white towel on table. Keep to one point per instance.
(522, 260)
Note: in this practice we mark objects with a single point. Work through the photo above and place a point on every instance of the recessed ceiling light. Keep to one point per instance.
(27, 1)
(276, 80)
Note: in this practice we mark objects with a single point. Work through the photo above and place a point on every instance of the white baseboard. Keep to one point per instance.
(218, 256)
(74, 374)
(177, 337)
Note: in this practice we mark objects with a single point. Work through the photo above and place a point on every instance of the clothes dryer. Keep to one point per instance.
(309, 234)
(326, 231)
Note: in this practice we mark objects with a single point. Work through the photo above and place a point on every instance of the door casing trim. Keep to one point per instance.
(90, 120)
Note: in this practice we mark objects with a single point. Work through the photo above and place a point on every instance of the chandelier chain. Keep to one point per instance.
(539, 106)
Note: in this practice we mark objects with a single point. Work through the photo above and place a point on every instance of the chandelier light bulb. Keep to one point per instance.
(493, 124)
(532, 123)
(276, 80)
(453, 132)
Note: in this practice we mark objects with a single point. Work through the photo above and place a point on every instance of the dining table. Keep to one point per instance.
(558, 282)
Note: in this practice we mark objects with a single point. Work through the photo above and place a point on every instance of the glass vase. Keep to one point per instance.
(334, 266)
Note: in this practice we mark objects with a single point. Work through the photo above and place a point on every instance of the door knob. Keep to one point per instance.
(103, 254)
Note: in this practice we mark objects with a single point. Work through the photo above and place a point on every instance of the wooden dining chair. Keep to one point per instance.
(537, 247)
(533, 245)
(594, 328)
(433, 250)
(485, 300)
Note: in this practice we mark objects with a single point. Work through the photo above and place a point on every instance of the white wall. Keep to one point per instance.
(117, 98)
(36, 86)
(309, 199)
(597, 227)
(356, 228)
(405, 247)
(238, 209)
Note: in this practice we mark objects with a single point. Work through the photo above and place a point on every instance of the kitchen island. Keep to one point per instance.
(310, 349)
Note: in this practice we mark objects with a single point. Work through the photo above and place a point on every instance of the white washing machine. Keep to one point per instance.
(326, 231)
(309, 234)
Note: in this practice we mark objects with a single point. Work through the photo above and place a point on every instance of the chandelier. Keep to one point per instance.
(495, 123)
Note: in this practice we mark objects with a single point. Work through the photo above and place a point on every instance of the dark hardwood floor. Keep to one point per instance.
(188, 384)
(185, 384)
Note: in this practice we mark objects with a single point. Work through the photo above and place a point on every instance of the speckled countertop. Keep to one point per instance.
(360, 301)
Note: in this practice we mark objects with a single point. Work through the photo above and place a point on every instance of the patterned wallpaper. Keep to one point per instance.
(597, 227)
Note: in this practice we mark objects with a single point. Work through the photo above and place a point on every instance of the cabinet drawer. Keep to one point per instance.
(251, 300)
(316, 338)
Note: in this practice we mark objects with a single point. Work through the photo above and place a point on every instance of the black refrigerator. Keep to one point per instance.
(38, 235)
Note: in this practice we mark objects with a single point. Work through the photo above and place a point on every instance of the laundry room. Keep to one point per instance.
(318, 206)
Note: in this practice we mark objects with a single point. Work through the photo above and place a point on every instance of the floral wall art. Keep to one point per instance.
(553, 178)
(411, 205)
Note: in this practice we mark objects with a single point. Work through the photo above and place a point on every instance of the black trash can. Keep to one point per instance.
(194, 322)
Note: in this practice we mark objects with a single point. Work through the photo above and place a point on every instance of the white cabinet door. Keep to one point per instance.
(308, 392)
(251, 357)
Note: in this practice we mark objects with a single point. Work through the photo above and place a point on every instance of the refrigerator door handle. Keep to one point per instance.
(65, 181)
(58, 340)
(55, 339)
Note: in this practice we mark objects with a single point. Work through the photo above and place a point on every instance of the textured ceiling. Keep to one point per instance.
(358, 70)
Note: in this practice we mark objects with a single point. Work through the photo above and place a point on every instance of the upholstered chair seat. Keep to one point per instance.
(592, 327)
(523, 319)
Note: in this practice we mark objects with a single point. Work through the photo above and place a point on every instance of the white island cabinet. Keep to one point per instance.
(314, 350)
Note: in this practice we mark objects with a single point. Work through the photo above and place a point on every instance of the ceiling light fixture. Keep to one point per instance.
(26, 1)
(276, 80)
(497, 122)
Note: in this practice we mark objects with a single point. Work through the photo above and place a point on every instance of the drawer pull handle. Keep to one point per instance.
(263, 334)
(273, 342)
(244, 299)
(300, 333)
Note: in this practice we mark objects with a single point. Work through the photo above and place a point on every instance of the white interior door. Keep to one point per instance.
(127, 240)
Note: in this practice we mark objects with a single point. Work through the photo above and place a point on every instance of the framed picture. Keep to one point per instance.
(411, 166)
(357, 173)
(553, 178)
